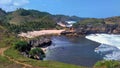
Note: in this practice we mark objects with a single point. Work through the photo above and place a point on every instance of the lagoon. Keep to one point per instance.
(73, 50)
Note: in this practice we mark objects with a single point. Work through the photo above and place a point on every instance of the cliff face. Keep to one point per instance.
(109, 25)
(85, 30)
(40, 42)
(36, 48)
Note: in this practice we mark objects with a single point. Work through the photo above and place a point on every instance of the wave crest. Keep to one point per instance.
(110, 45)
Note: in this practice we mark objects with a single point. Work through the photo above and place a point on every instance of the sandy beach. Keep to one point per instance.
(33, 34)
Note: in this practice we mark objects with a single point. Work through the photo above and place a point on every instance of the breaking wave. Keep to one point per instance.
(110, 45)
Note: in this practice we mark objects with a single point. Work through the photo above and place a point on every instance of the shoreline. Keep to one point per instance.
(44, 49)
(33, 34)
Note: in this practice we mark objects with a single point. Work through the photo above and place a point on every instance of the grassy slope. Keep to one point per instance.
(3, 37)
(6, 38)
(46, 64)
(113, 20)
(21, 16)
(4, 63)
(107, 64)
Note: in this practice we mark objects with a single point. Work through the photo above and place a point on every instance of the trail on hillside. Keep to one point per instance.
(2, 50)
(24, 65)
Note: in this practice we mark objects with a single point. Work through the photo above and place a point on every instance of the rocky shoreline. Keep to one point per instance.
(38, 39)
(87, 29)
(40, 43)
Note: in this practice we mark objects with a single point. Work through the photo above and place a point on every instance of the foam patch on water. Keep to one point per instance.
(109, 39)
(110, 45)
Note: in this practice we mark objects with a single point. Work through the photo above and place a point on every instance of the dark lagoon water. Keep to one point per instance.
(73, 50)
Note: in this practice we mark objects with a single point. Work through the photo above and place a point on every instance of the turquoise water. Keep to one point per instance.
(73, 50)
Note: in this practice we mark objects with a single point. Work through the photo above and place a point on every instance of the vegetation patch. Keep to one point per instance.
(5, 63)
(107, 64)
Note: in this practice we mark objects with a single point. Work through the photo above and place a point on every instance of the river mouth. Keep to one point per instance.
(73, 50)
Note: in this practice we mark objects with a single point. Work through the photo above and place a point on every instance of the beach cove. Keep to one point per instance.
(71, 50)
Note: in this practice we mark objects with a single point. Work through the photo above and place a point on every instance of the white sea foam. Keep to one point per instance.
(110, 45)
(109, 39)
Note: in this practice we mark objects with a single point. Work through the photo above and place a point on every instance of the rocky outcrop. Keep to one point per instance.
(40, 42)
(87, 29)
(36, 43)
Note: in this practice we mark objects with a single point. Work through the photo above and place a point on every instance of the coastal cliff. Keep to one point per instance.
(33, 48)
(89, 29)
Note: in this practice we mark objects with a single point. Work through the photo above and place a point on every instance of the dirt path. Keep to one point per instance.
(24, 65)
(2, 50)
(2, 54)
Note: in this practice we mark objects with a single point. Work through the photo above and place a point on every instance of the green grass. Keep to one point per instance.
(107, 64)
(5, 63)
(6, 41)
(6, 38)
(47, 64)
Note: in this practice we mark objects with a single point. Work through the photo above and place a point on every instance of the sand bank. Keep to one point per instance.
(33, 34)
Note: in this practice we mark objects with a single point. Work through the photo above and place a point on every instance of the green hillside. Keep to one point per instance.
(58, 18)
(97, 21)
(113, 20)
(23, 20)
(21, 16)
(2, 16)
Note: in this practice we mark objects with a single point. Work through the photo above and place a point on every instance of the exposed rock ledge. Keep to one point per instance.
(85, 30)
(40, 42)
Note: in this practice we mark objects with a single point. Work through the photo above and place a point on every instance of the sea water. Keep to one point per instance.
(73, 50)
(109, 45)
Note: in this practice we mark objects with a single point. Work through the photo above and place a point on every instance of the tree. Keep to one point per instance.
(37, 53)
(21, 46)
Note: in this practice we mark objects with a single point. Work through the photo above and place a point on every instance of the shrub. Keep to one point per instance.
(21, 46)
(107, 64)
(37, 53)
